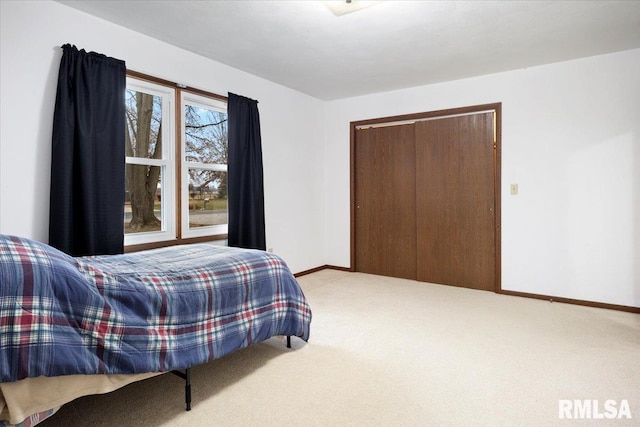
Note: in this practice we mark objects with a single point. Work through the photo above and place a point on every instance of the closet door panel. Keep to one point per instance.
(455, 201)
(385, 201)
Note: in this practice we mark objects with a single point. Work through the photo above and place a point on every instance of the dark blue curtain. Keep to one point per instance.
(245, 181)
(88, 157)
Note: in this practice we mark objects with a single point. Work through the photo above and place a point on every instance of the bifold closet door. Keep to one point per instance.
(385, 201)
(455, 226)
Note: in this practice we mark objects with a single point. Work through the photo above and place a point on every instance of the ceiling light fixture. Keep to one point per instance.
(343, 7)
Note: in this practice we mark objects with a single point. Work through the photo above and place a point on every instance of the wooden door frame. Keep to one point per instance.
(497, 170)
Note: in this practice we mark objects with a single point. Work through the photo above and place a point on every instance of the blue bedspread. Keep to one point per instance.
(151, 311)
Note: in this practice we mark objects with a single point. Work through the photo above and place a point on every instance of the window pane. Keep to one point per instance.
(205, 135)
(143, 199)
(144, 119)
(207, 198)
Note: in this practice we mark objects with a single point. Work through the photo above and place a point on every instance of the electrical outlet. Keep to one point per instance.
(514, 189)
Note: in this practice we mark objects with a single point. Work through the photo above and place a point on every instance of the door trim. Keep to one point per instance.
(497, 168)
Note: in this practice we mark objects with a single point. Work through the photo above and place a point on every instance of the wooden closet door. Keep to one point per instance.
(385, 224)
(455, 201)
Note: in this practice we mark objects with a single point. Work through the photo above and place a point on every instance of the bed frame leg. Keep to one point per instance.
(186, 376)
(187, 389)
(288, 341)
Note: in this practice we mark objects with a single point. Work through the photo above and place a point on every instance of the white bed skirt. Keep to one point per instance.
(21, 399)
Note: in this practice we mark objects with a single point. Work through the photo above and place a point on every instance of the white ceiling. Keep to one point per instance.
(392, 45)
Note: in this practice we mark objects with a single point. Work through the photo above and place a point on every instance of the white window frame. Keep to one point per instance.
(167, 163)
(188, 98)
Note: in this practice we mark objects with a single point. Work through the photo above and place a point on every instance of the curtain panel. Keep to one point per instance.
(245, 175)
(88, 155)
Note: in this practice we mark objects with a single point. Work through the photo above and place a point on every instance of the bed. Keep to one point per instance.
(95, 324)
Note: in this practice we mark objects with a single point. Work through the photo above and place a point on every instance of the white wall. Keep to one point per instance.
(570, 139)
(292, 123)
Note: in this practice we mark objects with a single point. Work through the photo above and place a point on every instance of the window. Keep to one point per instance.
(176, 163)
(204, 166)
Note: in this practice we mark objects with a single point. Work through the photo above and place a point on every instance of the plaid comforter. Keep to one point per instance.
(153, 311)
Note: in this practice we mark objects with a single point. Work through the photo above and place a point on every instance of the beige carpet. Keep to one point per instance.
(396, 352)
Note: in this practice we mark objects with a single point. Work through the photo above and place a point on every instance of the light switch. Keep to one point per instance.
(514, 189)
